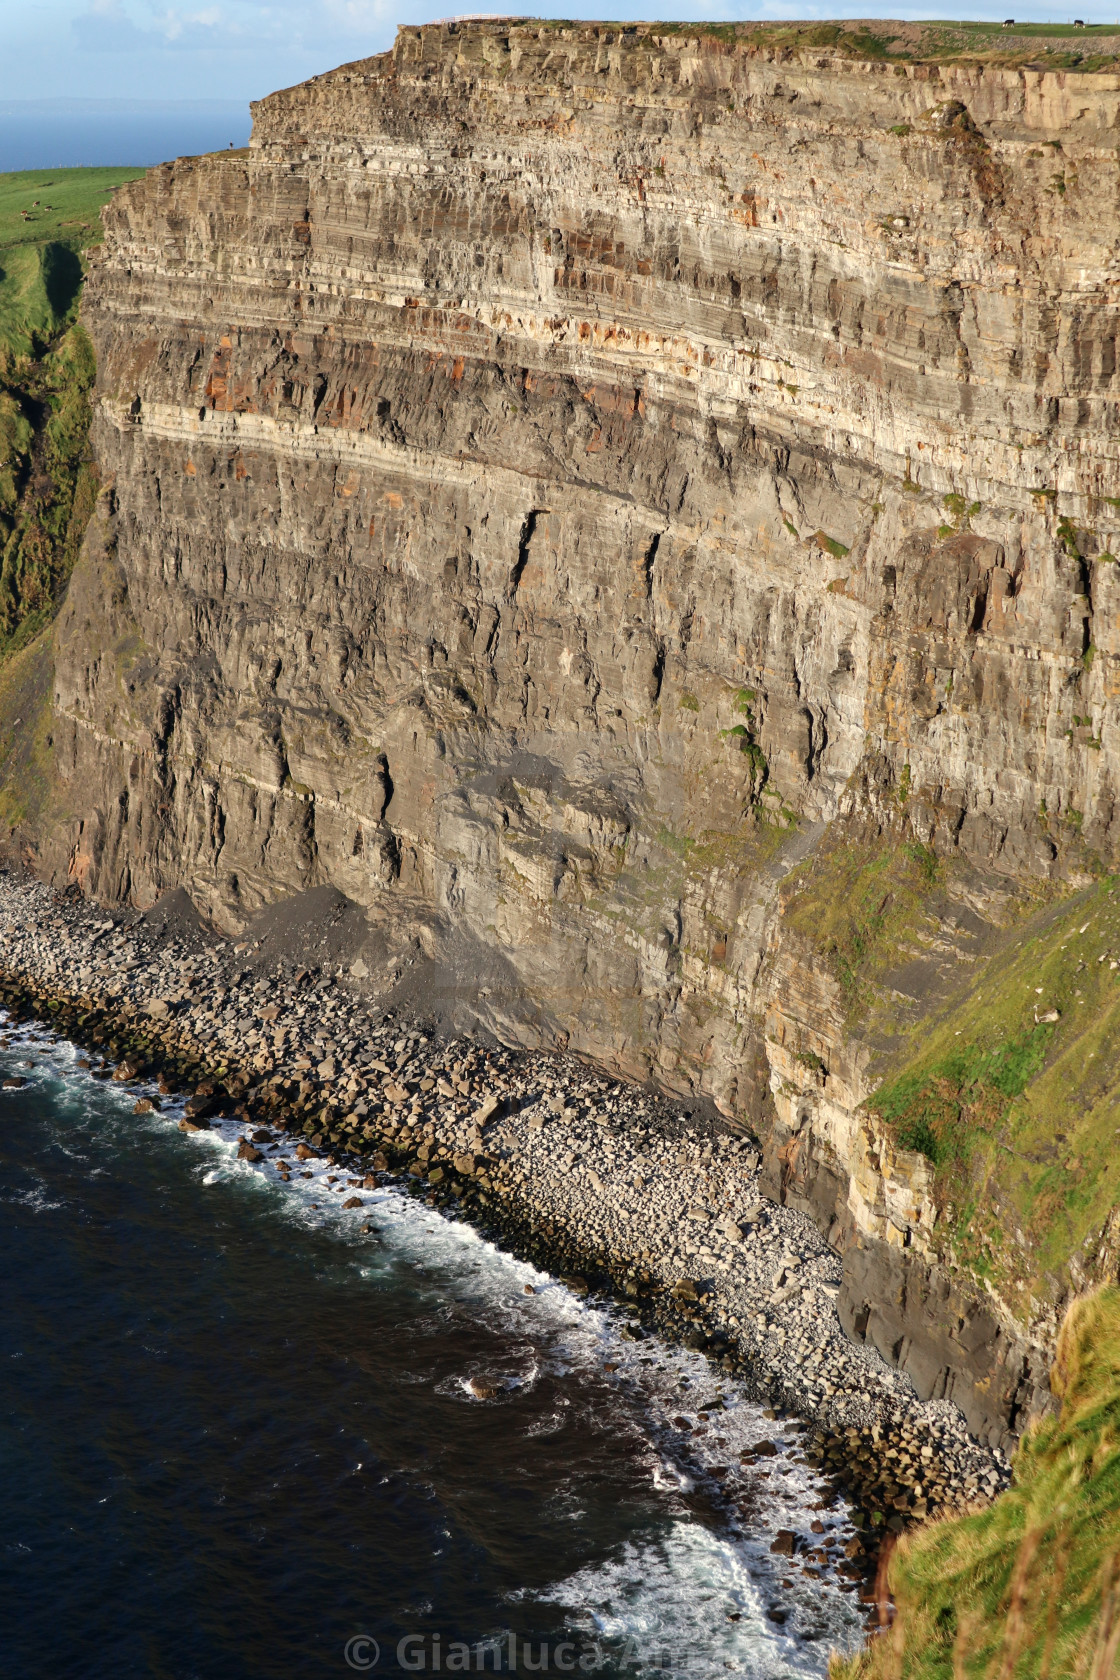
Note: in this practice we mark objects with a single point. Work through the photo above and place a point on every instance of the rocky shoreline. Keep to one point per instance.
(621, 1193)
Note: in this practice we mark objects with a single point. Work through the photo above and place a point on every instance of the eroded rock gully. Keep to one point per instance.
(555, 474)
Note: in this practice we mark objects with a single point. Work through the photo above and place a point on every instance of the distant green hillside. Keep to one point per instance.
(48, 218)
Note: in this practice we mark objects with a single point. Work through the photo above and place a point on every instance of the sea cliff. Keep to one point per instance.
(636, 512)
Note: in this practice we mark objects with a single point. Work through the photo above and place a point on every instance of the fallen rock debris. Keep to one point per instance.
(615, 1190)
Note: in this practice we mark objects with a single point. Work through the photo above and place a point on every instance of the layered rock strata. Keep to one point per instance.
(556, 472)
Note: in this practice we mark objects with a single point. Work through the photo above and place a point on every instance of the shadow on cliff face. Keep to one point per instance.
(414, 963)
(465, 987)
(317, 929)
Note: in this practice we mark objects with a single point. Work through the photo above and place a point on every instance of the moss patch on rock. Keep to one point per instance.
(48, 484)
(866, 904)
(1014, 1094)
(26, 741)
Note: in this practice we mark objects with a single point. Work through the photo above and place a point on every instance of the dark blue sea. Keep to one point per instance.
(248, 1432)
(63, 133)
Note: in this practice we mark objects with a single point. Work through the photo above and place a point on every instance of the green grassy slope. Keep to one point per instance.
(1014, 1093)
(48, 218)
(1029, 1587)
(1001, 1065)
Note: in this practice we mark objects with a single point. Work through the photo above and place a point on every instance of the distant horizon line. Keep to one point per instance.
(145, 107)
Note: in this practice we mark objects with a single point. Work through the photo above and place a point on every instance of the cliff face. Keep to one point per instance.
(556, 477)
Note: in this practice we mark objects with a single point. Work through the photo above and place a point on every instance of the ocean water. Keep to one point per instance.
(248, 1432)
(138, 133)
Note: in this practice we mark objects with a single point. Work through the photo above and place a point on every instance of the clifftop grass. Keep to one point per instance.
(48, 217)
(1043, 46)
(1028, 1588)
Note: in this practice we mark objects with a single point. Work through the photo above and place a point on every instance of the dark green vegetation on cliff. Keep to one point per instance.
(48, 484)
(1026, 1589)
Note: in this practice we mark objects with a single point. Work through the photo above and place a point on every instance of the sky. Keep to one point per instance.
(241, 49)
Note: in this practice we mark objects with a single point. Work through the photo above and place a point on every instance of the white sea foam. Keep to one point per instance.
(688, 1603)
(699, 1592)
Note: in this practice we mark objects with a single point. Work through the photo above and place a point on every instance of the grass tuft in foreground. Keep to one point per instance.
(1029, 1587)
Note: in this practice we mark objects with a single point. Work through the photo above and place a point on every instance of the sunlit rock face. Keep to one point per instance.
(554, 476)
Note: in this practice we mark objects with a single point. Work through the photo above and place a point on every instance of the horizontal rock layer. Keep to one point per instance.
(558, 471)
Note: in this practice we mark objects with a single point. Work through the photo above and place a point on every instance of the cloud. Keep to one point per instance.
(105, 26)
(190, 26)
(361, 15)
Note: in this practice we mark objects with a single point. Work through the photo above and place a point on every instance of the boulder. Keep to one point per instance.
(483, 1390)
